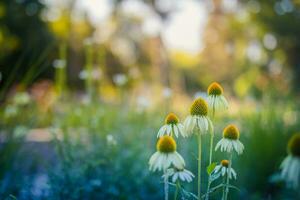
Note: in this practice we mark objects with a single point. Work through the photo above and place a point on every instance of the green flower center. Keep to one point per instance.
(166, 144)
(171, 119)
(231, 132)
(199, 107)
(294, 145)
(215, 89)
(225, 163)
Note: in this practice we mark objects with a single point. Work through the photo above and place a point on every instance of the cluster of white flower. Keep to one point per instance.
(198, 123)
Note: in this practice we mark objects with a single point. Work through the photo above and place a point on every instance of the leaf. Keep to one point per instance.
(211, 167)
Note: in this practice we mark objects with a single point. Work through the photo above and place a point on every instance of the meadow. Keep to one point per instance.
(136, 99)
(97, 150)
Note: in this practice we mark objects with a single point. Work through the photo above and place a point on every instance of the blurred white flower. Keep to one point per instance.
(291, 164)
(83, 74)
(21, 98)
(59, 63)
(120, 79)
(20, 131)
(142, 103)
(167, 92)
(111, 140)
(254, 51)
(223, 169)
(10, 111)
(270, 41)
(181, 174)
(95, 74)
(88, 41)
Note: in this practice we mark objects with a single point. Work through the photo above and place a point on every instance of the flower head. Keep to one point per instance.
(199, 107)
(222, 169)
(171, 119)
(215, 89)
(198, 121)
(291, 164)
(225, 163)
(172, 126)
(166, 155)
(230, 140)
(166, 144)
(294, 145)
(231, 132)
(216, 100)
(179, 174)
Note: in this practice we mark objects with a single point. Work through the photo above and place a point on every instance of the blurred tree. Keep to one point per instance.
(282, 18)
(25, 42)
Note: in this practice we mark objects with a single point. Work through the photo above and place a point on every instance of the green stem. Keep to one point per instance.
(166, 187)
(208, 188)
(210, 158)
(211, 147)
(223, 193)
(199, 166)
(177, 190)
(227, 181)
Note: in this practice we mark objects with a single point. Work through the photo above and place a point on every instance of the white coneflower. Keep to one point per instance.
(172, 126)
(166, 155)
(198, 119)
(216, 100)
(223, 169)
(198, 123)
(230, 140)
(291, 164)
(181, 174)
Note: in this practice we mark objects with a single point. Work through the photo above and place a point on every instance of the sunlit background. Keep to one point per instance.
(86, 84)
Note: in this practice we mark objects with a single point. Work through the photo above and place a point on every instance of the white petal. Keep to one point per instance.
(233, 173)
(223, 171)
(175, 130)
(175, 177)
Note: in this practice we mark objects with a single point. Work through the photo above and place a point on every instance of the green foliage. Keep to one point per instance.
(211, 167)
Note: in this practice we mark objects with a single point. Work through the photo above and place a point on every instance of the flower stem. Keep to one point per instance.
(177, 190)
(210, 157)
(227, 181)
(211, 147)
(199, 166)
(223, 194)
(166, 185)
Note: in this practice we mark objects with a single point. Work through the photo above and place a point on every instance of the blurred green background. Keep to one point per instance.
(85, 86)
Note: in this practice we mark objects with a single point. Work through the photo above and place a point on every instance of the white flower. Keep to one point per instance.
(222, 169)
(172, 126)
(166, 155)
(216, 100)
(21, 98)
(291, 170)
(111, 140)
(167, 92)
(291, 164)
(230, 140)
(198, 120)
(182, 174)
(59, 63)
(120, 79)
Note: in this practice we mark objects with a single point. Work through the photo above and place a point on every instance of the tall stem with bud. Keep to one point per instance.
(199, 166)
(227, 180)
